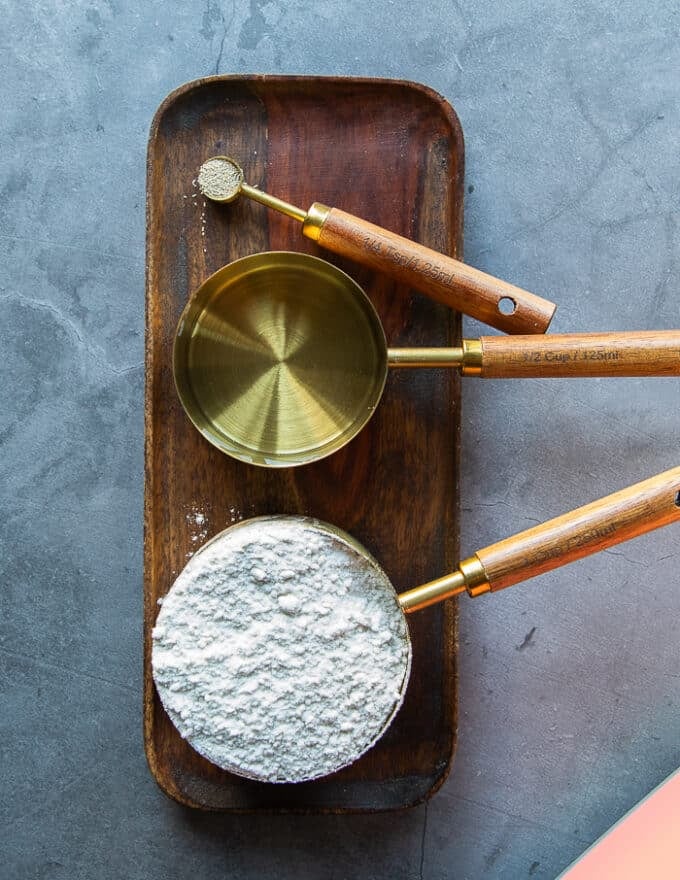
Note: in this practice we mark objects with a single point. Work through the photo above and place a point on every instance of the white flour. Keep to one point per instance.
(278, 653)
(198, 525)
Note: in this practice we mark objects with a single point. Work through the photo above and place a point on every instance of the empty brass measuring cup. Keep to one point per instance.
(280, 358)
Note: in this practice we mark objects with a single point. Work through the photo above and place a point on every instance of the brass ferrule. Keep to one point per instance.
(468, 357)
(472, 357)
(476, 580)
(314, 219)
(470, 577)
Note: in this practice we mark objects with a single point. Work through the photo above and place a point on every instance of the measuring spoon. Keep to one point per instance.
(442, 278)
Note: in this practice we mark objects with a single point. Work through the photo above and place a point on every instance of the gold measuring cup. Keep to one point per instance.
(601, 524)
(280, 358)
(443, 278)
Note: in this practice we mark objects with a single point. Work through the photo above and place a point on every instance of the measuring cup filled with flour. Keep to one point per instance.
(282, 651)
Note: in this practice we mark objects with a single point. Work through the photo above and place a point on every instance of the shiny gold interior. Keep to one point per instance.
(279, 359)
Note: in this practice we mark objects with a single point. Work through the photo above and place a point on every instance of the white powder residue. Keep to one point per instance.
(198, 529)
(280, 653)
(197, 521)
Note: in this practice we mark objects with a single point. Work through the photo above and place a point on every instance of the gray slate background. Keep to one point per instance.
(572, 118)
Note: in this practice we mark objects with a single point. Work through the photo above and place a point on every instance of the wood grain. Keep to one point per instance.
(594, 527)
(397, 149)
(582, 355)
(443, 278)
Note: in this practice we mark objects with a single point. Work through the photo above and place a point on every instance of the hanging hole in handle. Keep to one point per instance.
(507, 306)
(677, 500)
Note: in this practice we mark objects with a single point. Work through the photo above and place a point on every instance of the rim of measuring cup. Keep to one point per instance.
(227, 280)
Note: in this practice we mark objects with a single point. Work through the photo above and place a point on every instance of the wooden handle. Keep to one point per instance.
(604, 523)
(442, 278)
(644, 353)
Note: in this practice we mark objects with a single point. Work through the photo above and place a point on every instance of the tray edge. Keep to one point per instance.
(164, 782)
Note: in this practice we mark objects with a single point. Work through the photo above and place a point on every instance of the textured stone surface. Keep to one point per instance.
(569, 685)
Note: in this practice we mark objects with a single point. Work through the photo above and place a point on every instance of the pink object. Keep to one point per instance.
(643, 845)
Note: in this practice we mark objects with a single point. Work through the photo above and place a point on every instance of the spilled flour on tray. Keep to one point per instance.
(197, 522)
(278, 654)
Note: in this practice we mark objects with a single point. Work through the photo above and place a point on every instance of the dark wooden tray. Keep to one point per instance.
(391, 152)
